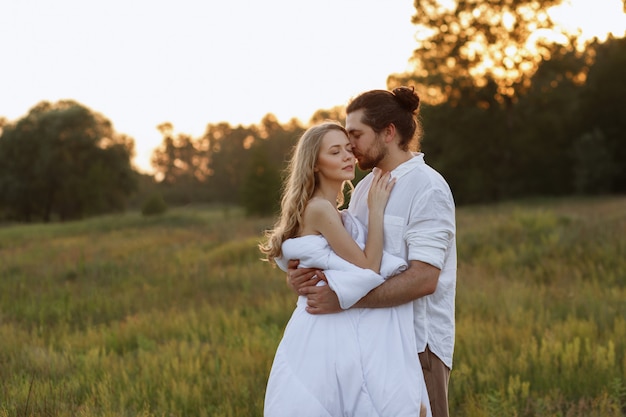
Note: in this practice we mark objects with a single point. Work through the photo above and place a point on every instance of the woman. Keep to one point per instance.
(360, 362)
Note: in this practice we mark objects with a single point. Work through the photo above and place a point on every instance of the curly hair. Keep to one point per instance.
(298, 188)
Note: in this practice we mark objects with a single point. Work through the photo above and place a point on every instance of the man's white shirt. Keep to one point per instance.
(419, 225)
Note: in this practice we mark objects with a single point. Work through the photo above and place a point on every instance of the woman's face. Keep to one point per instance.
(335, 160)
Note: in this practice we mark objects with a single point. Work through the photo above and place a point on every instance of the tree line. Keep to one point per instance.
(558, 131)
(565, 134)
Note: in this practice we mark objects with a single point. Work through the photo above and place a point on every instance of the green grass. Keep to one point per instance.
(175, 315)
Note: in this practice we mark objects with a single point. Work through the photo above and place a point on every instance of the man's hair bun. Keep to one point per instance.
(407, 97)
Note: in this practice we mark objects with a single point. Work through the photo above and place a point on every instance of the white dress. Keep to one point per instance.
(359, 362)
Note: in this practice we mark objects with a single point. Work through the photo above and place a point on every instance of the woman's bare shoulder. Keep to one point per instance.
(317, 212)
(319, 205)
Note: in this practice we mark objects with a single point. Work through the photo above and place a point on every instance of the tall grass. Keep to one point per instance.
(125, 316)
(177, 316)
(541, 310)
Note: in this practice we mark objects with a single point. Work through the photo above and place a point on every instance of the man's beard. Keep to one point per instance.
(373, 155)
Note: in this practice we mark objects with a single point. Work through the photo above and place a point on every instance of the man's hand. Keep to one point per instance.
(298, 278)
(321, 300)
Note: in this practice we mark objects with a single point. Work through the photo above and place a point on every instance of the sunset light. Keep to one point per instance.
(296, 208)
(144, 63)
(592, 18)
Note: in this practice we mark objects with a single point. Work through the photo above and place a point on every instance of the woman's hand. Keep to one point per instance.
(379, 192)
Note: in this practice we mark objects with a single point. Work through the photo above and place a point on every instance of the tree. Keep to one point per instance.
(181, 165)
(228, 158)
(487, 156)
(260, 191)
(503, 82)
(337, 113)
(279, 140)
(546, 127)
(64, 160)
(468, 43)
(593, 165)
(603, 106)
(231, 156)
(179, 159)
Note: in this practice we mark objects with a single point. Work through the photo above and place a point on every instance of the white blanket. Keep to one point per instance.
(359, 362)
(348, 281)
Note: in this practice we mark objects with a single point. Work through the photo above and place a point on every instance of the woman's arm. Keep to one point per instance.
(322, 217)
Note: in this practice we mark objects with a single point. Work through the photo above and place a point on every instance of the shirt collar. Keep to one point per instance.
(408, 166)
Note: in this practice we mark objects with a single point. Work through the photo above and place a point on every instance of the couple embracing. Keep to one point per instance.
(373, 329)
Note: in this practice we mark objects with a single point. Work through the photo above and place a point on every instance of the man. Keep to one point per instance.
(419, 226)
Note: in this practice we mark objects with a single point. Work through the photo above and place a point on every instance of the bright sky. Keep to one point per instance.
(193, 62)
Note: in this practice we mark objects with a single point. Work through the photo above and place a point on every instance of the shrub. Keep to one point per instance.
(154, 205)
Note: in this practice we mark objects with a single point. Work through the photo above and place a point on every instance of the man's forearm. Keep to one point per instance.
(418, 281)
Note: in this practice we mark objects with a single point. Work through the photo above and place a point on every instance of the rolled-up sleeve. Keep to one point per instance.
(431, 228)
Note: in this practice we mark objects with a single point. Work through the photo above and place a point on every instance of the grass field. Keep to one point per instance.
(176, 316)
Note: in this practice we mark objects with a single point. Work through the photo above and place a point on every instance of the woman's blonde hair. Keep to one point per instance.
(298, 188)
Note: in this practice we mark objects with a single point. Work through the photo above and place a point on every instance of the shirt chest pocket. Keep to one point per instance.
(393, 232)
